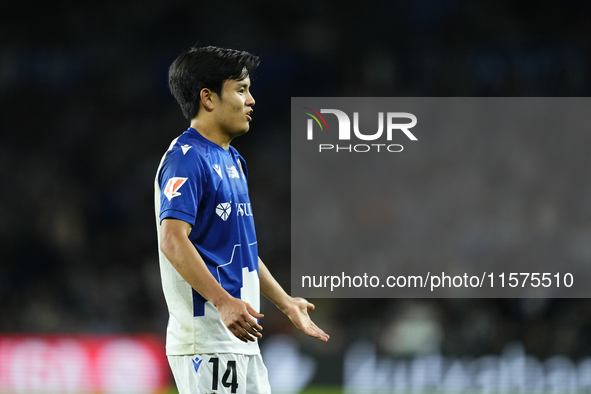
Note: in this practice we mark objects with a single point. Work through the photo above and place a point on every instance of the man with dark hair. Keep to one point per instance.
(211, 273)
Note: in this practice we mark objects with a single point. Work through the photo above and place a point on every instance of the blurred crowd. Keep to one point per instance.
(86, 115)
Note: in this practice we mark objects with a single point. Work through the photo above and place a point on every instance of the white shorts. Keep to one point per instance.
(222, 373)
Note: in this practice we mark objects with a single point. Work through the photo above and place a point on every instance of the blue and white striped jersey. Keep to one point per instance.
(205, 185)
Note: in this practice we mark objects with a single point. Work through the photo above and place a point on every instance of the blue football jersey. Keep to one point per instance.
(206, 186)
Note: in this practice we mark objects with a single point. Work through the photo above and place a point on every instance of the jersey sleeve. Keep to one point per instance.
(181, 182)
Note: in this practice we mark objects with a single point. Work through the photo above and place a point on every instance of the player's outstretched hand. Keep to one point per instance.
(240, 317)
(297, 311)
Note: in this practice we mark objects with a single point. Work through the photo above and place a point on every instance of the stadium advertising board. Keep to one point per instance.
(80, 364)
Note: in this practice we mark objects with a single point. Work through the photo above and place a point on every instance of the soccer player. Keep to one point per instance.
(211, 273)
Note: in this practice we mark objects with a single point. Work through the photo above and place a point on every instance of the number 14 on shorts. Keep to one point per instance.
(220, 373)
(229, 380)
(216, 369)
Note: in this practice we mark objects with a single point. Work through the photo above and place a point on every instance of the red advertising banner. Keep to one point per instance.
(83, 364)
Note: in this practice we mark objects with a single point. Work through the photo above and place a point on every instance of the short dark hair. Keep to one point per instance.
(206, 67)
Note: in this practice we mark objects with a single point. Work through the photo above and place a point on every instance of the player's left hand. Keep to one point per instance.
(297, 311)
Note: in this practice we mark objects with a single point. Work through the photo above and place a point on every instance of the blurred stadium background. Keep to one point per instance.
(86, 115)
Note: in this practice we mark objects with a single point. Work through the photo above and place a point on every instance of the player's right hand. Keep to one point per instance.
(240, 318)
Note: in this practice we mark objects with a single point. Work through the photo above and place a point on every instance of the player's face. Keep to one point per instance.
(234, 109)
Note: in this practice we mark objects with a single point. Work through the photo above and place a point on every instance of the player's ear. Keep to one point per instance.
(205, 97)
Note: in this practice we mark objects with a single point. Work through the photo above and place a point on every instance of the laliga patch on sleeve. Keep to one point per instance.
(172, 186)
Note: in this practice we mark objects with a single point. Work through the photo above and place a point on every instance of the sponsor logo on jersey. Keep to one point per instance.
(185, 148)
(232, 172)
(243, 209)
(172, 187)
(223, 210)
(218, 169)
